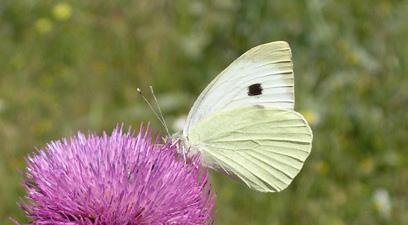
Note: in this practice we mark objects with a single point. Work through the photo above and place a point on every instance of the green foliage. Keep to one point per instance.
(75, 65)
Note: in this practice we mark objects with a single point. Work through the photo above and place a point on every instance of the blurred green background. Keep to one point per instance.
(75, 65)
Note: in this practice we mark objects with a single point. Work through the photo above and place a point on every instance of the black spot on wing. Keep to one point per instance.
(255, 89)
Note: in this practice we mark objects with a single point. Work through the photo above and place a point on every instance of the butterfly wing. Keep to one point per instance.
(261, 76)
(265, 147)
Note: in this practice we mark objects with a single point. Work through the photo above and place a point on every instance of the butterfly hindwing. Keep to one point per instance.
(265, 147)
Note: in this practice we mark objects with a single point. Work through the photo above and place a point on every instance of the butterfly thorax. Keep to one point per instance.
(184, 147)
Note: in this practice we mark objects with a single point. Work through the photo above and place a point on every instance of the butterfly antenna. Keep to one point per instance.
(159, 117)
(160, 112)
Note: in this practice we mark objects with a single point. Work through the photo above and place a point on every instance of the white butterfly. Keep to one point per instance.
(244, 124)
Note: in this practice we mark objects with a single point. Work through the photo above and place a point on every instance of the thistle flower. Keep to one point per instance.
(121, 179)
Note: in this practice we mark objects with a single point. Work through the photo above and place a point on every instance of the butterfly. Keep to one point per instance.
(244, 125)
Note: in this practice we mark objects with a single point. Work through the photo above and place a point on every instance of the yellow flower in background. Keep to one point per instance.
(311, 117)
(43, 25)
(62, 11)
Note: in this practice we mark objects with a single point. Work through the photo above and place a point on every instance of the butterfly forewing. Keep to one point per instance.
(267, 67)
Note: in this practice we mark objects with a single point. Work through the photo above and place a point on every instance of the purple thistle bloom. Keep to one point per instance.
(121, 179)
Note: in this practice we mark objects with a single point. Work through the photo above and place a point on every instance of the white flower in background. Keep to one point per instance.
(178, 123)
(194, 44)
(382, 202)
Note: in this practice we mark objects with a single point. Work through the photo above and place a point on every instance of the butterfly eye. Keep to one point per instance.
(255, 89)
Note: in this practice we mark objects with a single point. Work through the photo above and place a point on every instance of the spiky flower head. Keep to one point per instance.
(117, 179)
